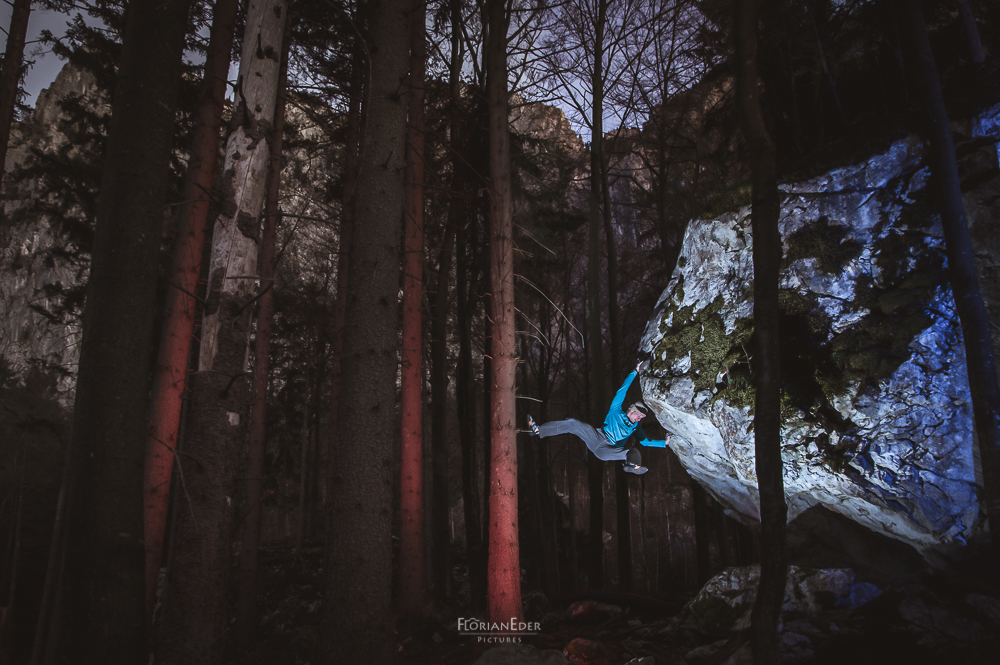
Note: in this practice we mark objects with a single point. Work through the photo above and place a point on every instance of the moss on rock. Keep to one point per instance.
(892, 298)
(713, 351)
(714, 614)
(825, 242)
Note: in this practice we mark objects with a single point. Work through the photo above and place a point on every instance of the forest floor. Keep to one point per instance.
(614, 629)
(593, 626)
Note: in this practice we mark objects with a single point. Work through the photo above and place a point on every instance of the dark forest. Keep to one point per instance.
(603, 332)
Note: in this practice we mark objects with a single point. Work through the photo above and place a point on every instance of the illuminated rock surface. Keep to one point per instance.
(877, 411)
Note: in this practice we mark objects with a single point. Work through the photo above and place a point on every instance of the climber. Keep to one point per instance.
(608, 442)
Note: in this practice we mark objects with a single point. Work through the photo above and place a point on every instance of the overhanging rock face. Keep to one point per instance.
(877, 412)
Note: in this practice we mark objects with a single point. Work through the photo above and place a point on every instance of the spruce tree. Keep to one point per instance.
(106, 596)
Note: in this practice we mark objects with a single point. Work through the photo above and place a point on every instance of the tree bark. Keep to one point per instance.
(459, 221)
(357, 618)
(106, 532)
(611, 240)
(246, 612)
(10, 74)
(595, 468)
(170, 372)
(413, 591)
(623, 507)
(466, 405)
(9, 575)
(442, 560)
(313, 495)
(48, 608)
(532, 558)
(488, 390)
(766, 369)
(623, 483)
(306, 435)
(980, 356)
(595, 541)
(548, 531)
(622, 479)
(351, 147)
(196, 616)
(574, 554)
(552, 581)
(504, 571)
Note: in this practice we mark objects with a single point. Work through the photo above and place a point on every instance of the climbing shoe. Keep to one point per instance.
(532, 426)
(637, 469)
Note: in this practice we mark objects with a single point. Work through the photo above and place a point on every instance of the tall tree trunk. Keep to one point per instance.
(488, 390)
(595, 541)
(623, 502)
(976, 53)
(825, 64)
(466, 406)
(614, 320)
(550, 520)
(460, 220)
(623, 483)
(196, 616)
(532, 555)
(357, 619)
(766, 369)
(313, 474)
(300, 533)
(246, 612)
(413, 592)
(351, 140)
(548, 535)
(9, 574)
(170, 372)
(595, 469)
(106, 537)
(54, 639)
(623, 509)
(10, 74)
(574, 555)
(439, 410)
(48, 607)
(504, 574)
(980, 357)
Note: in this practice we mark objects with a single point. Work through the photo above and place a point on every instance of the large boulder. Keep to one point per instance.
(725, 603)
(877, 414)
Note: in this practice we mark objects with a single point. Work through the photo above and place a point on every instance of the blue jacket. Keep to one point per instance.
(618, 427)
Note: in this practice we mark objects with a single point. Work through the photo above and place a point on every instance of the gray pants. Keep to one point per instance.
(595, 440)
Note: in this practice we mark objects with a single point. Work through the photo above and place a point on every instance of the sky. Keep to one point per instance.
(46, 65)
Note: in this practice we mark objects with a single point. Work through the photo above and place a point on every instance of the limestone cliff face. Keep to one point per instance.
(542, 121)
(34, 256)
(876, 404)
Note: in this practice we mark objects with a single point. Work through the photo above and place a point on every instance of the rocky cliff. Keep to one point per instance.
(37, 260)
